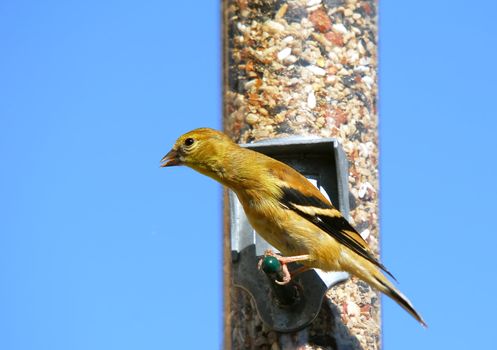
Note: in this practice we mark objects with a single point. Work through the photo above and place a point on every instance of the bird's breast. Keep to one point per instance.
(267, 220)
(275, 235)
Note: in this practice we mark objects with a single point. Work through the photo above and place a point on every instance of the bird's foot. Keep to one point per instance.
(284, 260)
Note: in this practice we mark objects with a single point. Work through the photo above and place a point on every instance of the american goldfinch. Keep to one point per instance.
(285, 209)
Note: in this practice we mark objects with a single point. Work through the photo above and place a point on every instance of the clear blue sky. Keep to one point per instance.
(101, 249)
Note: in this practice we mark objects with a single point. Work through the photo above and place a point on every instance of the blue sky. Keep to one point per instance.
(438, 169)
(101, 249)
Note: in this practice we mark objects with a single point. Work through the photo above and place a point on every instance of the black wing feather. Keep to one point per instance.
(335, 226)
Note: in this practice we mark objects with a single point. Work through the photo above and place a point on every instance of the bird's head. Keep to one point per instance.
(201, 149)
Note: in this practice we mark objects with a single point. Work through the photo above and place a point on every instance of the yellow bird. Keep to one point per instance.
(285, 209)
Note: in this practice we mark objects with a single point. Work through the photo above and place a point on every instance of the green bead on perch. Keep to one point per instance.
(270, 264)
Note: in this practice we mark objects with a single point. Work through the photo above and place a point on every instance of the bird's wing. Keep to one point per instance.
(299, 195)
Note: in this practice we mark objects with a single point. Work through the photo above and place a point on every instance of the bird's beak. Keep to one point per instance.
(170, 159)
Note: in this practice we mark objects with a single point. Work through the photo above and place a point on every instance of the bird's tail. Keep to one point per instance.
(368, 272)
(388, 289)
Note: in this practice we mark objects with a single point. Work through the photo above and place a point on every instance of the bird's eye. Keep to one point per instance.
(189, 141)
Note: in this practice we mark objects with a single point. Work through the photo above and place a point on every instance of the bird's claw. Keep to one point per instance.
(284, 260)
(286, 276)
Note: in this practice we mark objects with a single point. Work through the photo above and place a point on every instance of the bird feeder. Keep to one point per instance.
(303, 68)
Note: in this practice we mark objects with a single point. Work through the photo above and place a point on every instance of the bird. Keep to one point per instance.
(287, 210)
